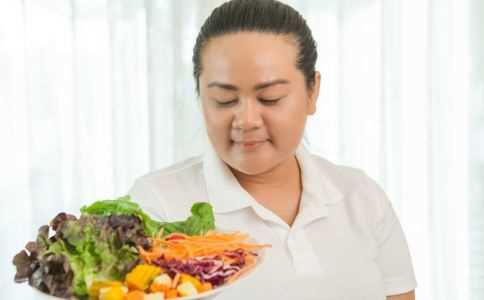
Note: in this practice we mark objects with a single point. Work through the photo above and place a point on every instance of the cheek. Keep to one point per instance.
(288, 124)
(218, 123)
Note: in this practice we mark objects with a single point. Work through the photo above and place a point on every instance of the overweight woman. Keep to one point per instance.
(333, 231)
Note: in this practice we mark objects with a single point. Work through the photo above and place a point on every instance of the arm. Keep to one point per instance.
(393, 256)
(406, 296)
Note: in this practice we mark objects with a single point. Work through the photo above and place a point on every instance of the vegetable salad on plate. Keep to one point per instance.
(115, 251)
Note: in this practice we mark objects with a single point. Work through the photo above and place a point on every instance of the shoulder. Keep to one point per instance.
(362, 195)
(346, 178)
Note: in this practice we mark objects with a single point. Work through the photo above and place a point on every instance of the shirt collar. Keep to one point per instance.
(226, 194)
(319, 190)
(224, 191)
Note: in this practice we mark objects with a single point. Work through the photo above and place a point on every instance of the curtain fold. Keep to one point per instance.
(96, 93)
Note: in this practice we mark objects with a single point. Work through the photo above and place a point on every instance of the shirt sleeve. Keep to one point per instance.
(393, 256)
(143, 193)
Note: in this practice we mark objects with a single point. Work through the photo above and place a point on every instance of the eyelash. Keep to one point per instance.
(264, 101)
(226, 103)
(270, 101)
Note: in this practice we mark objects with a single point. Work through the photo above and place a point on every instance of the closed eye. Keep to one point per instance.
(269, 101)
(226, 102)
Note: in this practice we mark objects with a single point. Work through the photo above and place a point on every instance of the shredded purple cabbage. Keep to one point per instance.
(211, 269)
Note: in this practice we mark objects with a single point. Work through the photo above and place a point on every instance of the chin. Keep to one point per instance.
(251, 162)
(250, 171)
(253, 167)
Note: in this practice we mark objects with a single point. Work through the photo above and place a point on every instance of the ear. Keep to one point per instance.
(313, 93)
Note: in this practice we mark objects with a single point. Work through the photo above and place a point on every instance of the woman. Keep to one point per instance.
(333, 232)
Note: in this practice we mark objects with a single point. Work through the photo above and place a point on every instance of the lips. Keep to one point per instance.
(249, 145)
(249, 142)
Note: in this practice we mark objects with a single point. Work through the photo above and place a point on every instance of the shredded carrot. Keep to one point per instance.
(174, 284)
(180, 246)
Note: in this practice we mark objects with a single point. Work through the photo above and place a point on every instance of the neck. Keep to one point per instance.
(278, 189)
(282, 175)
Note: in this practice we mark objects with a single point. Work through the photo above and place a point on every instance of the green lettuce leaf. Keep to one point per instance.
(94, 252)
(201, 220)
(123, 206)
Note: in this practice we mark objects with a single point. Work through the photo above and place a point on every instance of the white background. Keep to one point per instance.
(94, 93)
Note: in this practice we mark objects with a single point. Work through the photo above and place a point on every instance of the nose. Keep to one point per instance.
(247, 116)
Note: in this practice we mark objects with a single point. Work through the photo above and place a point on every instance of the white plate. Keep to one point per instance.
(203, 296)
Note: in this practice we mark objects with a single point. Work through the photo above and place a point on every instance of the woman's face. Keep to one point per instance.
(255, 101)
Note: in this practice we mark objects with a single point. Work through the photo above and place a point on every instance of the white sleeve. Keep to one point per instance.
(393, 255)
(143, 193)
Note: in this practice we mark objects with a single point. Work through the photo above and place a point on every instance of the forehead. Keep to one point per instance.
(238, 57)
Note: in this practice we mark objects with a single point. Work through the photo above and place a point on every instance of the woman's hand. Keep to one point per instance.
(406, 296)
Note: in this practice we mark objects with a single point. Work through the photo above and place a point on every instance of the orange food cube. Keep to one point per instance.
(206, 286)
(171, 293)
(155, 287)
(135, 295)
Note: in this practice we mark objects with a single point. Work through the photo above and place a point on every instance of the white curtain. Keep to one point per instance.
(96, 93)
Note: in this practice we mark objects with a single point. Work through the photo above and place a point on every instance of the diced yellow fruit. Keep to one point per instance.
(186, 289)
(155, 296)
(141, 276)
(193, 280)
(113, 293)
(97, 285)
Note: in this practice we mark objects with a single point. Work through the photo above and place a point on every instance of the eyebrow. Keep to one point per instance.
(259, 86)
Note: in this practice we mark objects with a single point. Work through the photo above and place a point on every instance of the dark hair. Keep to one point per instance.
(260, 16)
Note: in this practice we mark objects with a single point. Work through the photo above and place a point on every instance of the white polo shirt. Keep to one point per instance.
(346, 241)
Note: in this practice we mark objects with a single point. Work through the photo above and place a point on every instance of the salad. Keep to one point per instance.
(115, 251)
